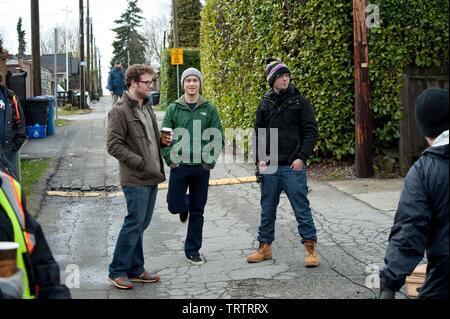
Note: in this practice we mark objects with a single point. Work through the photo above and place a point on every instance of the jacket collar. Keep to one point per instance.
(441, 140)
(290, 91)
(7, 92)
(182, 102)
(439, 147)
(130, 101)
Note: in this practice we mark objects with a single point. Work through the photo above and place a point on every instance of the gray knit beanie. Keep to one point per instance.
(189, 72)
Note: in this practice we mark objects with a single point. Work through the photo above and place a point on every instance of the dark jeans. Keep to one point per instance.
(196, 178)
(128, 260)
(294, 184)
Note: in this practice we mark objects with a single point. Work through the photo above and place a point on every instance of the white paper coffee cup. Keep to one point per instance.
(8, 258)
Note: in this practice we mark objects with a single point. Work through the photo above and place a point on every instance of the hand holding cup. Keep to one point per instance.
(166, 136)
(8, 258)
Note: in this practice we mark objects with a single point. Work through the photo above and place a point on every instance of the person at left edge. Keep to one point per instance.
(35, 261)
(12, 125)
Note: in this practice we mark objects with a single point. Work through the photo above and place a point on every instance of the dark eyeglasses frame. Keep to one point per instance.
(148, 83)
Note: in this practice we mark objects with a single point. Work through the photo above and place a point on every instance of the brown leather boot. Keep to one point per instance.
(311, 254)
(264, 252)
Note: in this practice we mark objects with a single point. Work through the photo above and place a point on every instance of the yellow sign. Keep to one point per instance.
(177, 56)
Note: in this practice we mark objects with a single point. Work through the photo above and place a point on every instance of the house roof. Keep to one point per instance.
(47, 61)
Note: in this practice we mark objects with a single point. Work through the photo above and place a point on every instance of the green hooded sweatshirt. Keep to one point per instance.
(193, 143)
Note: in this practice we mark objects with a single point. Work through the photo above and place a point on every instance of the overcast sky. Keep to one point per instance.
(52, 12)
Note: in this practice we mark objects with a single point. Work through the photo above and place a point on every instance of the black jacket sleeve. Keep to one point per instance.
(309, 131)
(260, 122)
(408, 237)
(20, 128)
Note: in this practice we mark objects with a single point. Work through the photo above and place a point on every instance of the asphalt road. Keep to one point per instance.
(82, 231)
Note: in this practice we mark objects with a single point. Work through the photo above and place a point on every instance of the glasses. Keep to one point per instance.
(148, 83)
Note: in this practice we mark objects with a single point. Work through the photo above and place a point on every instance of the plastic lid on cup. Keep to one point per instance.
(8, 245)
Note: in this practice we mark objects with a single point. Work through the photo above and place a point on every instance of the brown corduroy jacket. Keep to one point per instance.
(128, 142)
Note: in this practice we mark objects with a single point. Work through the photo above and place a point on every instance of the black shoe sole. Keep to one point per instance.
(184, 217)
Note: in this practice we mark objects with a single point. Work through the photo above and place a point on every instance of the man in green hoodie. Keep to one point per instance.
(198, 142)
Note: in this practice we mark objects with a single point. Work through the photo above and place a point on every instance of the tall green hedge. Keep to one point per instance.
(315, 39)
(168, 92)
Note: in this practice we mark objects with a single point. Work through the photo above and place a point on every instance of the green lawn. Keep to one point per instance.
(70, 110)
(59, 123)
(31, 171)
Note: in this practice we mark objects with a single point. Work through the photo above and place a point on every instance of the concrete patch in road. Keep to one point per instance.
(213, 182)
(382, 194)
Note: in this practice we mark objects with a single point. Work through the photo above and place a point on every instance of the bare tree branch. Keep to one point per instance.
(154, 34)
(48, 40)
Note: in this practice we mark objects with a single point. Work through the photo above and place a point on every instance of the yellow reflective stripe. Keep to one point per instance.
(10, 192)
(18, 238)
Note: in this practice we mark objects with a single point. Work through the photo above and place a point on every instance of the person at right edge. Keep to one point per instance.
(421, 220)
(285, 109)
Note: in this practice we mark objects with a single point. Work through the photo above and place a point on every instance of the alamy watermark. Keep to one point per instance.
(73, 276)
(373, 278)
(373, 16)
(207, 146)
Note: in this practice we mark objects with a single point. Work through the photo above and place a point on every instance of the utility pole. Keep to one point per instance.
(99, 70)
(128, 54)
(94, 59)
(55, 70)
(36, 48)
(176, 42)
(82, 60)
(88, 50)
(363, 114)
(91, 60)
(164, 40)
(67, 49)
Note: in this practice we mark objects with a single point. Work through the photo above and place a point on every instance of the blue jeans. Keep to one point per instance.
(294, 184)
(196, 178)
(128, 260)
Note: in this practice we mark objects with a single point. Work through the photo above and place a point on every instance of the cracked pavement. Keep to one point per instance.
(352, 233)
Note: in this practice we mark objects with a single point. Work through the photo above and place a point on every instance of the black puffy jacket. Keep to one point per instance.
(421, 225)
(293, 116)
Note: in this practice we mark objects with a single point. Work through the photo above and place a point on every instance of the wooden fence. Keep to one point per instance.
(415, 81)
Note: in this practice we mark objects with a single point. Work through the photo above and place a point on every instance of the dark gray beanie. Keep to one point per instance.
(432, 112)
(189, 72)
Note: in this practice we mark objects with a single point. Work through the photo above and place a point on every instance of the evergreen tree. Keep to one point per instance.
(128, 39)
(188, 15)
(21, 39)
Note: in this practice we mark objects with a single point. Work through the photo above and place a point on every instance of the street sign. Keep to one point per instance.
(176, 56)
